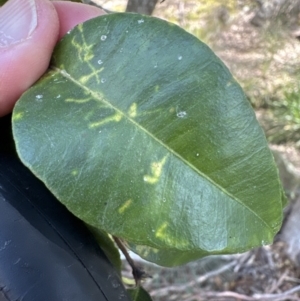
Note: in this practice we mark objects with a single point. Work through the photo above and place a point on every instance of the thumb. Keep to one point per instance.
(28, 32)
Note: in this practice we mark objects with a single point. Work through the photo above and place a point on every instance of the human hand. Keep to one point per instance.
(29, 30)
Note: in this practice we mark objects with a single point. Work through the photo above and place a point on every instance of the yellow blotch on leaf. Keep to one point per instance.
(168, 239)
(18, 116)
(125, 206)
(74, 172)
(88, 56)
(80, 100)
(156, 171)
(145, 251)
(132, 112)
(160, 233)
(80, 27)
(115, 118)
(172, 110)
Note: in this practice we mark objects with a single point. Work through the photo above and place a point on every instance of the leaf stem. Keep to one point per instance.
(137, 272)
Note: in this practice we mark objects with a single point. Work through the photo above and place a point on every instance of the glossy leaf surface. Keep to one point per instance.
(141, 131)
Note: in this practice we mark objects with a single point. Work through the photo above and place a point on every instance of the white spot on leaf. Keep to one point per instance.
(181, 114)
(103, 37)
(141, 21)
(39, 98)
(179, 57)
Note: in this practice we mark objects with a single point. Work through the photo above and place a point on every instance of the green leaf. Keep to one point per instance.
(139, 294)
(141, 131)
(2, 2)
(108, 246)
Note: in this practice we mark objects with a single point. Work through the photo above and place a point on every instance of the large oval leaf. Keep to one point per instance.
(141, 131)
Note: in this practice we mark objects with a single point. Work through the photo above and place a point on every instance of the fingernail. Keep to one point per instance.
(18, 19)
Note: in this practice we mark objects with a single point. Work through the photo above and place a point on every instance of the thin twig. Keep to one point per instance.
(201, 279)
(90, 2)
(292, 279)
(223, 295)
(269, 257)
(241, 297)
(278, 297)
(242, 260)
(278, 283)
(230, 294)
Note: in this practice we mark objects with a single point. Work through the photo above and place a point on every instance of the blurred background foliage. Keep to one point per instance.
(259, 40)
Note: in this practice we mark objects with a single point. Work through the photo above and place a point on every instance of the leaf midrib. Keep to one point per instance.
(67, 75)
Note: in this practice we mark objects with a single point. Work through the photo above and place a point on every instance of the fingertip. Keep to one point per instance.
(24, 62)
(70, 14)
